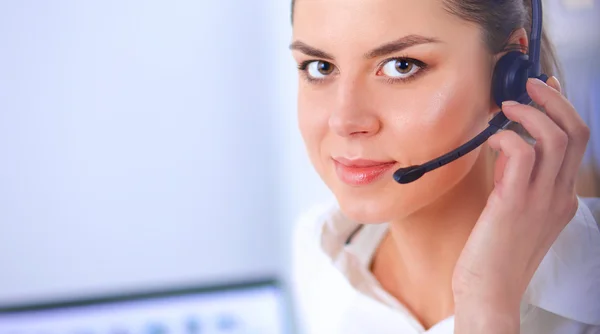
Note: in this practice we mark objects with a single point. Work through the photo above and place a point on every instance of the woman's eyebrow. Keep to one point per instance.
(399, 45)
(383, 50)
(310, 51)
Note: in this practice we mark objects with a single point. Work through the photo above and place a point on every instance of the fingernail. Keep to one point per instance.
(509, 103)
(556, 83)
(537, 82)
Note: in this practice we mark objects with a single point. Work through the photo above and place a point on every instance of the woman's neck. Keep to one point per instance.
(416, 259)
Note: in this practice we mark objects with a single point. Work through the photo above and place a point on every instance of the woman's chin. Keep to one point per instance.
(371, 211)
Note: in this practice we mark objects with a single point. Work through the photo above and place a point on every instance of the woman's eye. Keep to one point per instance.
(319, 69)
(400, 68)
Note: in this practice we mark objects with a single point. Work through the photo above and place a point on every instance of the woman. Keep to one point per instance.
(495, 242)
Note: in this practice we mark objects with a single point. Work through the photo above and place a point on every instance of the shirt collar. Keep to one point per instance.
(566, 283)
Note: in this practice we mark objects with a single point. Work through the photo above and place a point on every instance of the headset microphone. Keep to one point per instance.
(508, 83)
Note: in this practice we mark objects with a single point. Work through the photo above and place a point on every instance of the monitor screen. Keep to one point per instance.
(237, 309)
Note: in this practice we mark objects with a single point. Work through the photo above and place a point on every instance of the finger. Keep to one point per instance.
(558, 108)
(520, 158)
(562, 112)
(554, 83)
(550, 142)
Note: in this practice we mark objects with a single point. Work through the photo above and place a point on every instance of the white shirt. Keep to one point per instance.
(336, 293)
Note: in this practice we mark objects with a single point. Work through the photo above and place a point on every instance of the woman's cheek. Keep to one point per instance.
(422, 124)
(454, 115)
(441, 119)
(313, 125)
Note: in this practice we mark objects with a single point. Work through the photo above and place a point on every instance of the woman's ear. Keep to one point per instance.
(517, 41)
(519, 38)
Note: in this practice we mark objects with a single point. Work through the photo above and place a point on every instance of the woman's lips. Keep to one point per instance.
(361, 172)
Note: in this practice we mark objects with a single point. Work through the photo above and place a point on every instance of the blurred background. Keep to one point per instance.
(151, 171)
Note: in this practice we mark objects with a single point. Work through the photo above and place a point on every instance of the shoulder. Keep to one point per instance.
(567, 282)
(308, 226)
(307, 253)
(308, 257)
(538, 320)
(317, 286)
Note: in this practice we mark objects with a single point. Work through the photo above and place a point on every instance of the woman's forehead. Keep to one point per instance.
(384, 11)
(365, 23)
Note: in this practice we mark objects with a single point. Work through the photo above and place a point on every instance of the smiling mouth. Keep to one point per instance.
(361, 172)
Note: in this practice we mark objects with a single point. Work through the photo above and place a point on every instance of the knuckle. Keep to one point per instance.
(525, 152)
(581, 134)
(567, 182)
(519, 148)
(560, 140)
(566, 207)
(571, 182)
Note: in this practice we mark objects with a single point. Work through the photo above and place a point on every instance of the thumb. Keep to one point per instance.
(500, 164)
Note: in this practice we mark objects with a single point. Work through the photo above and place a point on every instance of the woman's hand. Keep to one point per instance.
(534, 198)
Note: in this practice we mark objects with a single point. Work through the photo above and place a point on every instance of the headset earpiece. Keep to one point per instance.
(510, 77)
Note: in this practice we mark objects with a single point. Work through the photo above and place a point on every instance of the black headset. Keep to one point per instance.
(508, 83)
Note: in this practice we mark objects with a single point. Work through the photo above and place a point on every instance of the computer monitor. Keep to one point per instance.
(247, 308)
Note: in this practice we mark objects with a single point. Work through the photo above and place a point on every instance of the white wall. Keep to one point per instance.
(575, 28)
(137, 146)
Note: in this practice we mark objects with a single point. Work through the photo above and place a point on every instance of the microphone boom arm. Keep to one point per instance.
(412, 173)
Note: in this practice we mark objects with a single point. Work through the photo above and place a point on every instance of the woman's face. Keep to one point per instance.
(386, 84)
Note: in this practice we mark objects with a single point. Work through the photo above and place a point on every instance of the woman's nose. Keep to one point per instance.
(353, 114)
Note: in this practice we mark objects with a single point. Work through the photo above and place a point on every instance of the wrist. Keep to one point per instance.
(476, 316)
